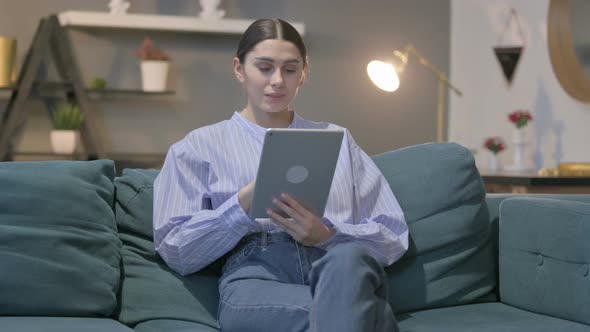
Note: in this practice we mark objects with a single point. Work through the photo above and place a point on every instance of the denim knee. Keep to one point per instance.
(348, 258)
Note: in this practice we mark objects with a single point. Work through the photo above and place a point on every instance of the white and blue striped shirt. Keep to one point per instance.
(197, 216)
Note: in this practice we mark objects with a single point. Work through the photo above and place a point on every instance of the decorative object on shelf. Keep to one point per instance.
(98, 83)
(154, 66)
(384, 74)
(119, 7)
(209, 10)
(7, 61)
(520, 118)
(574, 169)
(67, 120)
(495, 145)
(567, 169)
(509, 56)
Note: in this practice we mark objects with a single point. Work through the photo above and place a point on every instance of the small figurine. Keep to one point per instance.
(119, 7)
(209, 9)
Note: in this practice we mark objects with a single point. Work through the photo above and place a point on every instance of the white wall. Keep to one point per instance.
(559, 132)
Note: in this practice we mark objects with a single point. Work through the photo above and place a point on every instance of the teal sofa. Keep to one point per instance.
(76, 252)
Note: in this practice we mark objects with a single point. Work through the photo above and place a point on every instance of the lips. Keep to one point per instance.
(274, 95)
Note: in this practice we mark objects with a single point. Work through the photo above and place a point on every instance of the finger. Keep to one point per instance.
(287, 209)
(285, 223)
(296, 206)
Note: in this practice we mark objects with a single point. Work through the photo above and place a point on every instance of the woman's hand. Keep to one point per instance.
(246, 194)
(306, 228)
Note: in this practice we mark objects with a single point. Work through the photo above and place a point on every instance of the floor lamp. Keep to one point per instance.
(385, 76)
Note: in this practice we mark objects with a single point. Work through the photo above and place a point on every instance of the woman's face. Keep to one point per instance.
(271, 74)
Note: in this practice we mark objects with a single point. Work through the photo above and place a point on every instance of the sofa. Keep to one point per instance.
(76, 252)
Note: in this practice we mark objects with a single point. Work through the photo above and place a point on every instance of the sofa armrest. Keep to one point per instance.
(544, 256)
(493, 202)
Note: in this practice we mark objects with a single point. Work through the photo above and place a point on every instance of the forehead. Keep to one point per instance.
(275, 49)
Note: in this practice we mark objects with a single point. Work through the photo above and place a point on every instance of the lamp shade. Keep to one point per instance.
(383, 75)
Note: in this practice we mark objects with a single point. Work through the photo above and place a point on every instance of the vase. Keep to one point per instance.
(7, 61)
(518, 149)
(493, 163)
(153, 75)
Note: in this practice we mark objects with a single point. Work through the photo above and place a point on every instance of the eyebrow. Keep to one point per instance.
(266, 59)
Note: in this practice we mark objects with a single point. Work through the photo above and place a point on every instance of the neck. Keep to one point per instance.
(280, 119)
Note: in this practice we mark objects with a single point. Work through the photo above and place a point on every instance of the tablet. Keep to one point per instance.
(299, 162)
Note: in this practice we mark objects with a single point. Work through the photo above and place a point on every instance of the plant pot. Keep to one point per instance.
(154, 74)
(64, 141)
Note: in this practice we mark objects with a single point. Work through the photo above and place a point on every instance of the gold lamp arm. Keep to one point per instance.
(443, 82)
(410, 50)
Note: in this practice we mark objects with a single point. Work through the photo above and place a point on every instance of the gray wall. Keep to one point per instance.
(342, 36)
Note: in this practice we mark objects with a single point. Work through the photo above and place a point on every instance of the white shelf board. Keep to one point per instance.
(157, 22)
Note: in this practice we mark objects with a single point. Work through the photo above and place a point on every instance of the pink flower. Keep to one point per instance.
(520, 118)
(494, 144)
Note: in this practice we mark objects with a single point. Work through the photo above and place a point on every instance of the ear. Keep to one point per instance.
(304, 75)
(238, 70)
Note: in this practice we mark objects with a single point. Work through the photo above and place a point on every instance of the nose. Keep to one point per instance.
(277, 78)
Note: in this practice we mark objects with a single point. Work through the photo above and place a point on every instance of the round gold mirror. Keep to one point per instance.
(569, 45)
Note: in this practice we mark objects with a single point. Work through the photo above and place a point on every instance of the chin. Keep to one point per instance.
(275, 109)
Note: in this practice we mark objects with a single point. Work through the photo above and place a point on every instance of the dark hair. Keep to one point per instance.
(263, 29)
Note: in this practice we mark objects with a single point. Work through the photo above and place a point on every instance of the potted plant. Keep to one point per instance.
(67, 120)
(495, 145)
(154, 66)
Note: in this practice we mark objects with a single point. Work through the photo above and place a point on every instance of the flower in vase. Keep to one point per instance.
(520, 118)
(495, 144)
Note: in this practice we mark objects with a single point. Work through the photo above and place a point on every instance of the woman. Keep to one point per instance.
(318, 273)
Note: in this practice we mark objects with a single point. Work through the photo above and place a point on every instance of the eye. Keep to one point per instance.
(290, 69)
(264, 68)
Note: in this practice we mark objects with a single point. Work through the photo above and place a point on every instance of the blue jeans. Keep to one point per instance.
(272, 283)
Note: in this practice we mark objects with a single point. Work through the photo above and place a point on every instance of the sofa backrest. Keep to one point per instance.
(59, 249)
(149, 289)
(450, 259)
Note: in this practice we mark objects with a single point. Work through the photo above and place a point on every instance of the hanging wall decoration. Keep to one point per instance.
(509, 56)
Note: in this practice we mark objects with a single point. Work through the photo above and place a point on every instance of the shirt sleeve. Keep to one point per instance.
(379, 223)
(188, 233)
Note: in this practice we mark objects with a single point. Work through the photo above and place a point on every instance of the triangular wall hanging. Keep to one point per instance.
(509, 56)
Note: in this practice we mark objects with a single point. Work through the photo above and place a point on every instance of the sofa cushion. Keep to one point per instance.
(159, 325)
(449, 260)
(59, 250)
(61, 324)
(545, 256)
(149, 289)
(484, 317)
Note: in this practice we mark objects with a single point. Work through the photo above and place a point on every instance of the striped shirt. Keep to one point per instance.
(197, 216)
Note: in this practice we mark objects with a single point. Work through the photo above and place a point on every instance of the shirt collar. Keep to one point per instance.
(259, 131)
